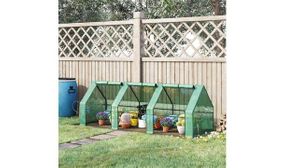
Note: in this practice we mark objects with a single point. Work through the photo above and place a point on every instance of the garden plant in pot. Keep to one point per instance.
(166, 123)
(181, 127)
(101, 117)
(125, 120)
(157, 124)
(134, 118)
(181, 124)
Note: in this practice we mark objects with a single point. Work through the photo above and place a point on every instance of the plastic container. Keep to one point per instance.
(67, 97)
(134, 122)
(142, 124)
(154, 118)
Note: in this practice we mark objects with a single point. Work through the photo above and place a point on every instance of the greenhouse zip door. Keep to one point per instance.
(98, 98)
(149, 107)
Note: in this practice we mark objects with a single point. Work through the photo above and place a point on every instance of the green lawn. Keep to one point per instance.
(69, 129)
(143, 150)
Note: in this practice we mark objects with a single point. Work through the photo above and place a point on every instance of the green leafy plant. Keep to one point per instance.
(180, 123)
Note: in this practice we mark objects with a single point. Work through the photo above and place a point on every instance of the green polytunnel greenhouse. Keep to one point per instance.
(99, 97)
(150, 100)
(191, 100)
(132, 97)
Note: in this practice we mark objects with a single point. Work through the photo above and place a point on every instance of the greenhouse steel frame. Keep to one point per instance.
(199, 114)
(99, 97)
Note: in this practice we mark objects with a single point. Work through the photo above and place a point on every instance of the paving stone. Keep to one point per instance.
(117, 133)
(83, 141)
(93, 139)
(68, 145)
(102, 137)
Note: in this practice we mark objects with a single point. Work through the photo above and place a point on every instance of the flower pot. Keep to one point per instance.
(181, 129)
(165, 129)
(101, 122)
(125, 126)
(142, 124)
(134, 122)
(157, 124)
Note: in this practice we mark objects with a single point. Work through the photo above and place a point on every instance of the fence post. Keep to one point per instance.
(138, 47)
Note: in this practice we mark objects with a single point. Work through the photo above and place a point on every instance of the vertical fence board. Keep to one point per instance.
(93, 71)
(209, 79)
(176, 72)
(219, 89)
(224, 92)
(107, 71)
(168, 70)
(172, 72)
(159, 72)
(129, 72)
(204, 75)
(199, 73)
(60, 69)
(90, 72)
(117, 71)
(214, 87)
(195, 72)
(190, 73)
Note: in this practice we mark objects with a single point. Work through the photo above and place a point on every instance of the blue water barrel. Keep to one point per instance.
(67, 97)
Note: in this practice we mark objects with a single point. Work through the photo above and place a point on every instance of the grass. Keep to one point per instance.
(69, 130)
(143, 150)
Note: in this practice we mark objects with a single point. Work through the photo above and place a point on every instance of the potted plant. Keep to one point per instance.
(101, 117)
(166, 123)
(181, 127)
(125, 120)
(134, 118)
(157, 124)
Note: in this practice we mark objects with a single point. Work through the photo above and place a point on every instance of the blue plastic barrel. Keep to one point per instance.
(67, 97)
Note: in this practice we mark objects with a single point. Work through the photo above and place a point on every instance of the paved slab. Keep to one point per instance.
(68, 145)
(91, 140)
(117, 133)
(102, 137)
(83, 141)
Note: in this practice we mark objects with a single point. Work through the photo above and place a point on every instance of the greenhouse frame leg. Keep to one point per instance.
(115, 114)
(82, 105)
(189, 132)
(150, 107)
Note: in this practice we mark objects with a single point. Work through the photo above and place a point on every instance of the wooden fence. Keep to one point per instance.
(188, 50)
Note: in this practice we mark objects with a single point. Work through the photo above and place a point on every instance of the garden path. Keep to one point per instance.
(93, 139)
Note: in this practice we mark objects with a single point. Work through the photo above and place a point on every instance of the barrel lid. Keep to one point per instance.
(66, 79)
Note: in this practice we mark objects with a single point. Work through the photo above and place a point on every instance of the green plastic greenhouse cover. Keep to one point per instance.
(160, 99)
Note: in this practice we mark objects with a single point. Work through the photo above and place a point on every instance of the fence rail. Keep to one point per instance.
(188, 50)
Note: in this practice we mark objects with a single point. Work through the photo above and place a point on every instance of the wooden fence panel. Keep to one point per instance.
(210, 74)
(87, 71)
(188, 50)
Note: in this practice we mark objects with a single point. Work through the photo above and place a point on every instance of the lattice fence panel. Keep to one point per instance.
(185, 39)
(96, 41)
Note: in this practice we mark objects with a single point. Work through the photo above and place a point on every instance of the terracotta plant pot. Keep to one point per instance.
(101, 122)
(165, 129)
(181, 129)
(157, 124)
(124, 126)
